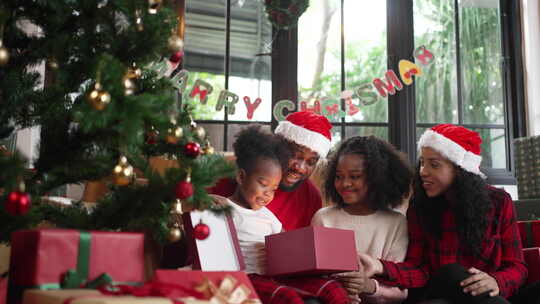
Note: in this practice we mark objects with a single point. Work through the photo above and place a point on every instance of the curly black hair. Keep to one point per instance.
(253, 143)
(388, 173)
(472, 203)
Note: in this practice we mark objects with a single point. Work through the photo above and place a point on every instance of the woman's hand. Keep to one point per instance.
(479, 283)
(355, 282)
(371, 265)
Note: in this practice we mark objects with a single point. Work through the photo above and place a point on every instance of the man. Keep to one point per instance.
(297, 199)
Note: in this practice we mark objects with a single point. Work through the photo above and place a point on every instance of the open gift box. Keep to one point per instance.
(220, 251)
(311, 250)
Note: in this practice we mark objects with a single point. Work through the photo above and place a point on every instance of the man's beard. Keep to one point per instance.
(292, 187)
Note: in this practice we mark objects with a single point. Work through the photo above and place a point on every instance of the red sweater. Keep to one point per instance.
(294, 209)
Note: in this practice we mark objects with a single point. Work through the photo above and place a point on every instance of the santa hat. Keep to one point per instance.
(307, 129)
(460, 145)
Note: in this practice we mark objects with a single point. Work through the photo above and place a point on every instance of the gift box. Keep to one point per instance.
(85, 296)
(529, 232)
(311, 250)
(532, 259)
(230, 286)
(54, 258)
(220, 251)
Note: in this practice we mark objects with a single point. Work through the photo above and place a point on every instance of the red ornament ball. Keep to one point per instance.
(183, 190)
(176, 57)
(17, 203)
(192, 149)
(201, 231)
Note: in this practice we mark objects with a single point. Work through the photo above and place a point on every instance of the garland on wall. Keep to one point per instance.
(284, 14)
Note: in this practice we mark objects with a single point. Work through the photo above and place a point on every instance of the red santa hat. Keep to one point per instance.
(307, 129)
(460, 145)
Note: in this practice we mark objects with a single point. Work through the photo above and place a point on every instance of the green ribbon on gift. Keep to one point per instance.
(78, 278)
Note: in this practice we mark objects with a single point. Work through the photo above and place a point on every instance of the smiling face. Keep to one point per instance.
(301, 165)
(350, 181)
(436, 171)
(257, 188)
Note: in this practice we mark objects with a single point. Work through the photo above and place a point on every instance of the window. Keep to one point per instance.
(341, 45)
(227, 45)
(470, 83)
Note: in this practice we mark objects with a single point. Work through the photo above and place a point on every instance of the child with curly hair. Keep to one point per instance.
(367, 178)
(261, 158)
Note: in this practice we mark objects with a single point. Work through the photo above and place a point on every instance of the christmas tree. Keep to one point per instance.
(104, 110)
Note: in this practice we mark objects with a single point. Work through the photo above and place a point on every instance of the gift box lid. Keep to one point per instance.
(311, 250)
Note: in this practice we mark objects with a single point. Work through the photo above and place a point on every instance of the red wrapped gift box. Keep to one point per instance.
(231, 284)
(41, 258)
(529, 232)
(532, 258)
(311, 250)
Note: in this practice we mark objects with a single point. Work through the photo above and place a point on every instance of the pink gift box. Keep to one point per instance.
(311, 250)
(532, 258)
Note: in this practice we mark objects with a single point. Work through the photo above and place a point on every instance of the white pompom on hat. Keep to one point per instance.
(460, 145)
(307, 129)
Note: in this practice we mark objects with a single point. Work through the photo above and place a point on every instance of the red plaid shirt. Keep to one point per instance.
(501, 249)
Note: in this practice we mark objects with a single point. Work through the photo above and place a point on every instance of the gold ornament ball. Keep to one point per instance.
(174, 135)
(199, 132)
(4, 56)
(123, 172)
(175, 234)
(154, 6)
(52, 63)
(93, 96)
(177, 207)
(208, 150)
(129, 86)
(175, 44)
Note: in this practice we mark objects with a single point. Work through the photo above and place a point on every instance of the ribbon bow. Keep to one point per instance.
(73, 279)
(226, 293)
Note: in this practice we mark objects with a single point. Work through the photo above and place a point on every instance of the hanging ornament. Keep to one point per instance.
(208, 149)
(177, 207)
(4, 54)
(98, 98)
(174, 135)
(154, 6)
(192, 149)
(52, 63)
(175, 44)
(139, 21)
(198, 131)
(123, 172)
(183, 189)
(129, 78)
(152, 136)
(175, 233)
(176, 57)
(201, 231)
(129, 86)
(17, 203)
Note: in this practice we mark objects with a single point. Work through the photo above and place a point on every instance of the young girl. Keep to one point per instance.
(464, 241)
(367, 178)
(261, 158)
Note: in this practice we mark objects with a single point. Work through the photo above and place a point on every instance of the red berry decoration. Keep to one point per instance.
(192, 149)
(183, 190)
(201, 231)
(176, 57)
(17, 203)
